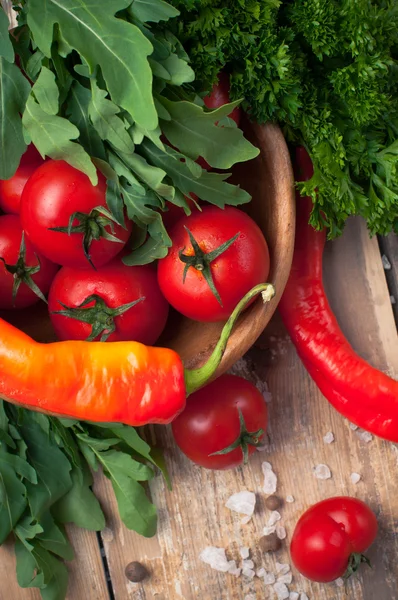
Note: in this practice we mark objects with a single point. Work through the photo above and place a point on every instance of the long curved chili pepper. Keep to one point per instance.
(123, 382)
(365, 395)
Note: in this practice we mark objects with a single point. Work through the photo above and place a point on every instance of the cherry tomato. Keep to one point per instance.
(11, 189)
(56, 193)
(24, 273)
(331, 536)
(113, 303)
(230, 257)
(227, 415)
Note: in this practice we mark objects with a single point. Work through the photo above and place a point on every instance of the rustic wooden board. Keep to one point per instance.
(193, 515)
(389, 247)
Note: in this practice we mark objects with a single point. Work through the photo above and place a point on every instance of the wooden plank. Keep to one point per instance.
(193, 515)
(389, 247)
(86, 573)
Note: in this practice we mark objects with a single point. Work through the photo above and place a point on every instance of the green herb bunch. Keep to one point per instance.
(327, 71)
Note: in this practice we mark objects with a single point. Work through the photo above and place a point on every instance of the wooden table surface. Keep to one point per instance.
(194, 515)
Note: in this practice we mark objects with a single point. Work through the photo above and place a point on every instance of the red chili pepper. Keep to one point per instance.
(363, 394)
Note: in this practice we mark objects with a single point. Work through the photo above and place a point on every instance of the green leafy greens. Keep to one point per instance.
(327, 71)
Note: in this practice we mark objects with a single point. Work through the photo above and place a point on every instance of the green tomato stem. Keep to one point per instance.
(197, 378)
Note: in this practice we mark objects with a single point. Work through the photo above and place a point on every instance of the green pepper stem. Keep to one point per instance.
(196, 378)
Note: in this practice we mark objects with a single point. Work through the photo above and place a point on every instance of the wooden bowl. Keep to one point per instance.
(269, 179)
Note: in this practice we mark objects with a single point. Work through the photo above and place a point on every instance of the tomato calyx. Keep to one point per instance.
(201, 261)
(23, 274)
(93, 227)
(355, 561)
(244, 440)
(100, 316)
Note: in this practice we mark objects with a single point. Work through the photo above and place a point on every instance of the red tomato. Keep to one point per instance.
(116, 313)
(56, 192)
(331, 536)
(244, 264)
(211, 422)
(11, 189)
(218, 97)
(22, 270)
(174, 213)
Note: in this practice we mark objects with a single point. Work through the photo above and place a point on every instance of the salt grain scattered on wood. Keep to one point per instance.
(269, 578)
(216, 558)
(269, 530)
(303, 596)
(353, 427)
(290, 499)
(270, 479)
(244, 552)
(286, 579)
(249, 573)
(280, 532)
(242, 503)
(340, 582)
(282, 568)
(294, 596)
(322, 472)
(261, 572)
(274, 517)
(366, 437)
(248, 564)
(328, 438)
(281, 591)
(355, 478)
(386, 263)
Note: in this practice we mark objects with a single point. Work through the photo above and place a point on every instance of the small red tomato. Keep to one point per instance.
(330, 538)
(113, 303)
(25, 275)
(56, 195)
(222, 423)
(11, 189)
(217, 256)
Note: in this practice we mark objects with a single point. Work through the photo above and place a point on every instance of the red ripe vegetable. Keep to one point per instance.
(222, 423)
(67, 218)
(25, 275)
(217, 255)
(174, 213)
(220, 95)
(330, 538)
(114, 303)
(11, 189)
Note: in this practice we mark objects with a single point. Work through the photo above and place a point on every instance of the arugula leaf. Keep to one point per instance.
(208, 186)
(152, 11)
(20, 466)
(94, 32)
(40, 568)
(177, 70)
(194, 132)
(50, 133)
(34, 65)
(77, 112)
(115, 461)
(79, 505)
(152, 176)
(103, 116)
(12, 499)
(152, 249)
(27, 529)
(6, 47)
(53, 539)
(5, 437)
(51, 465)
(14, 91)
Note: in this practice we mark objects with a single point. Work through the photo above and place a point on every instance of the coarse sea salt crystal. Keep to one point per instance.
(270, 479)
(328, 438)
(280, 532)
(282, 568)
(269, 530)
(287, 579)
(269, 578)
(261, 572)
(242, 502)
(386, 262)
(249, 573)
(353, 427)
(248, 564)
(281, 590)
(233, 569)
(322, 472)
(244, 552)
(340, 582)
(392, 300)
(355, 478)
(216, 558)
(294, 596)
(365, 436)
(303, 596)
(274, 517)
(290, 499)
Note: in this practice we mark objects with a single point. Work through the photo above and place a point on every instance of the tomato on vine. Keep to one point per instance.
(113, 303)
(25, 275)
(330, 538)
(222, 423)
(217, 256)
(11, 189)
(67, 218)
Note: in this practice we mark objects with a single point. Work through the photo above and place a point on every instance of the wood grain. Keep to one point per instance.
(193, 515)
(389, 247)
